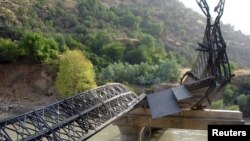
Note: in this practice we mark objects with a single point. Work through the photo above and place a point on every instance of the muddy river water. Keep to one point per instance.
(111, 133)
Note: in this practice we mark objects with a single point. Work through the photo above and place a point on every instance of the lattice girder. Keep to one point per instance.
(75, 118)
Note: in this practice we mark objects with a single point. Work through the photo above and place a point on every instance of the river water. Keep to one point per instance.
(111, 133)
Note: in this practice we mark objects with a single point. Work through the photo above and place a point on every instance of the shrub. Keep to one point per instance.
(234, 108)
(76, 73)
(38, 48)
(141, 74)
(9, 51)
(114, 51)
(217, 104)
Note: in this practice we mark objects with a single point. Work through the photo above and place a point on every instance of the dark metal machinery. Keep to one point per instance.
(72, 119)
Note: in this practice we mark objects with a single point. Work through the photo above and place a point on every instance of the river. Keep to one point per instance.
(111, 133)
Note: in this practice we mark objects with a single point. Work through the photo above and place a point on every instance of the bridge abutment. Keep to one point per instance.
(131, 125)
(131, 133)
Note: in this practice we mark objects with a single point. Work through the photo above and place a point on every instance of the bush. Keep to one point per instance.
(139, 55)
(114, 51)
(9, 51)
(244, 103)
(129, 20)
(38, 48)
(97, 40)
(217, 104)
(153, 28)
(141, 74)
(234, 108)
(228, 94)
(76, 74)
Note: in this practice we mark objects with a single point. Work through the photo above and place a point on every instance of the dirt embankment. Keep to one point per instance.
(25, 87)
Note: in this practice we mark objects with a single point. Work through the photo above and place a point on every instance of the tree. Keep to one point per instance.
(9, 51)
(96, 40)
(227, 95)
(38, 48)
(141, 74)
(129, 20)
(242, 101)
(168, 71)
(114, 51)
(138, 55)
(217, 104)
(76, 73)
(154, 28)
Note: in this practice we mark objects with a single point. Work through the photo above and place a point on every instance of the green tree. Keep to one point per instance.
(153, 28)
(96, 40)
(76, 73)
(141, 74)
(9, 51)
(244, 103)
(129, 20)
(38, 48)
(217, 104)
(168, 71)
(114, 51)
(139, 55)
(228, 95)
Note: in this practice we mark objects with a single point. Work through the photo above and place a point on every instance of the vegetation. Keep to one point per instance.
(141, 74)
(235, 96)
(75, 74)
(38, 48)
(9, 51)
(130, 42)
(89, 25)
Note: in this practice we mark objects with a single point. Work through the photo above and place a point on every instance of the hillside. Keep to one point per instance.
(173, 26)
(141, 43)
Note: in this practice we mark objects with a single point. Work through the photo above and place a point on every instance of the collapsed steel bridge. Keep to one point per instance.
(208, 75)
(79, 117)
(73, 119)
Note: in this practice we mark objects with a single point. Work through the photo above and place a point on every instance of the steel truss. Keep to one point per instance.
(73, 119)
(212, 61)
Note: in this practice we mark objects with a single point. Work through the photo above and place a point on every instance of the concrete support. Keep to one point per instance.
(130, 133)
(132, 124)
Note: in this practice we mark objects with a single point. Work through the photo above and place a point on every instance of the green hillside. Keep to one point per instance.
(110, 32)
(178, 27)
(136, 42)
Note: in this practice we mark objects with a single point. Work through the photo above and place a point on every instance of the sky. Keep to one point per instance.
(236, 13)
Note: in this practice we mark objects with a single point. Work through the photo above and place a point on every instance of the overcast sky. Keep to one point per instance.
(237, 12)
